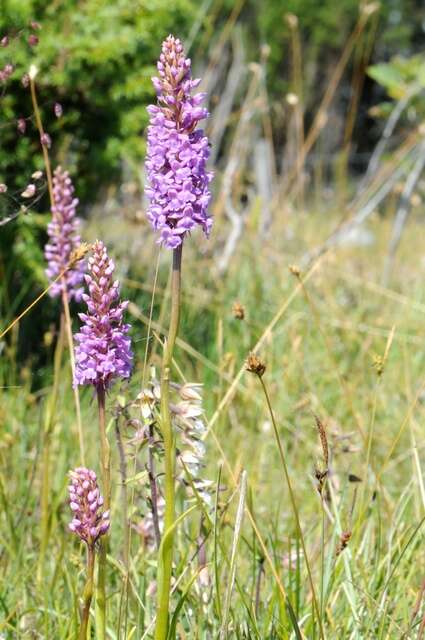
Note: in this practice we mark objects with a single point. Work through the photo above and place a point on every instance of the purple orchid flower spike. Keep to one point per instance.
(103, 352)
(88, 522)
(177, 152)
(64, 239)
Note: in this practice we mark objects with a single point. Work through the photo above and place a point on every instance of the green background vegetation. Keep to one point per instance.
(323, 355)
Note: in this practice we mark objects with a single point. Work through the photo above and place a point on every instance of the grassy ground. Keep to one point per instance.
(338, 346)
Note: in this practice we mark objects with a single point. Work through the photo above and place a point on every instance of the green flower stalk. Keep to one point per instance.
(102, 355)
(178, 191)
(89, 523)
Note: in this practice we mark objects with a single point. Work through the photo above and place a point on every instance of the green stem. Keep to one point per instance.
(65, 301)
(68, 327)
(39, 124)
(125, 523)
(322, 560)
(87, 594)
(47, 434)
(293, 503)
(106, 482)
(166, 562)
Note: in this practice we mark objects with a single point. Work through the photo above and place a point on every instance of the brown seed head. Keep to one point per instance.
(343, 541)
(291, 20)
(79, 253)
(295, 270)
(323, 439)
(378, 365)
(238, 311)
(254, 364)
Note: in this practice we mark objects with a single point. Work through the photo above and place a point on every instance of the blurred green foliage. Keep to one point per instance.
(393, 26)
(400, 76)
(96, 59)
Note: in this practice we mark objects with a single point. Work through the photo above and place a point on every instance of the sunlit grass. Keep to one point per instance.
(322, 359)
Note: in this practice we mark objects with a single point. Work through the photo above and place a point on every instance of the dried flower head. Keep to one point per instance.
(88, 522)
(103, 352)
(343, 542)
(295, 270)
(29, 191)
(187, 416)
(291, 20)
(79, 253)
(254, 364)
(63, 239)
(238, 311)
(46, 140)
(321, 473)
(58, 109)
(6, 72)
(177, 152)
(323, 440)
(21, 125)
(378, 364)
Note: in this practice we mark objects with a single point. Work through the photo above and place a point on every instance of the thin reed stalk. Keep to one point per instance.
(106, 482)
(41, 132)
(166, 561)
(293, 504)
(47, 435)
(65, 301)
(132, 492)
(342, 382)
(125, 522)
(320, 119)
(297, 83)
(87, 593)
(68, 329)
(153, 486)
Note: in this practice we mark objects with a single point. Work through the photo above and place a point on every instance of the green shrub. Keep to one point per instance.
(95, 58)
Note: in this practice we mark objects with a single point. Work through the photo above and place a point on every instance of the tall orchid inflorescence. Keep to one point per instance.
(88, 521)
(103, 352)
(64, 239)
(177, 152)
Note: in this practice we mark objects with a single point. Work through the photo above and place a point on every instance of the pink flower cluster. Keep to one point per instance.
(88, 522)
(64, 239)
(177, 152)
(103, 350)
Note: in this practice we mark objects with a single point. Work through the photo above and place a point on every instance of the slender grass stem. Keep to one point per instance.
(41, 132)
(88, 593)
(166, 561)
(68, 330)
(293, 503)
(47, 434)
(343, 384)
(125, 523)
(153, 487)
(322, 560)
(65, 301)
(134, 466)
(106, 481)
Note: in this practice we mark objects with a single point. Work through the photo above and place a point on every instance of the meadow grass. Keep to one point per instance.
(341, 347)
